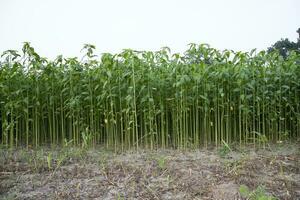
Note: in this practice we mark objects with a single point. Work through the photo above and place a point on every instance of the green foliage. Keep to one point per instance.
(244, 190)
(161, 162)
(225, 149)
(149, 99)
(258, 194)
(67, 143)
(285, 46)
(49, 161)
(261, 138)
(86, 138)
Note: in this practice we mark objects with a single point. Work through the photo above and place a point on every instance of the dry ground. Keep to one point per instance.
(73, 173)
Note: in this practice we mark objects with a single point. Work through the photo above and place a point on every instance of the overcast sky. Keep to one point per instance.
(62, 26)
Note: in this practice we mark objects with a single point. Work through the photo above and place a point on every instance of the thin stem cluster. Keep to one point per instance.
(149, 99)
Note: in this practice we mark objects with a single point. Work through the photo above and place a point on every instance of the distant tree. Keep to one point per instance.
(284, 46)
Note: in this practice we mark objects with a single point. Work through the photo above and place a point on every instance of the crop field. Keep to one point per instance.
(204, 124)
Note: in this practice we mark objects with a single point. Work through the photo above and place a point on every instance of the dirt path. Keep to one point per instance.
(163, 174)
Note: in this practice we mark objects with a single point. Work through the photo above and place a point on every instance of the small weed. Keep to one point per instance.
(67, 143)
(262, 139)
(258, 194)
(161, 161)
(224, 150)
(86, 138)
(49, 160)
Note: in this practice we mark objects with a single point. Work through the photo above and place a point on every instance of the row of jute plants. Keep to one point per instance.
(137, 99)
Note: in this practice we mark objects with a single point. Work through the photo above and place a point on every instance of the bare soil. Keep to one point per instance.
(73, 173)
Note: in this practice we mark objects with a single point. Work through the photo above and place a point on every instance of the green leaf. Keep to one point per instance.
(244, 190)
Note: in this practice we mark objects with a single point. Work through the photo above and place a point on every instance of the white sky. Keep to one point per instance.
(62, 26)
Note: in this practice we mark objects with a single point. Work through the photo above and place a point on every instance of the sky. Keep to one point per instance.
(56, 27)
